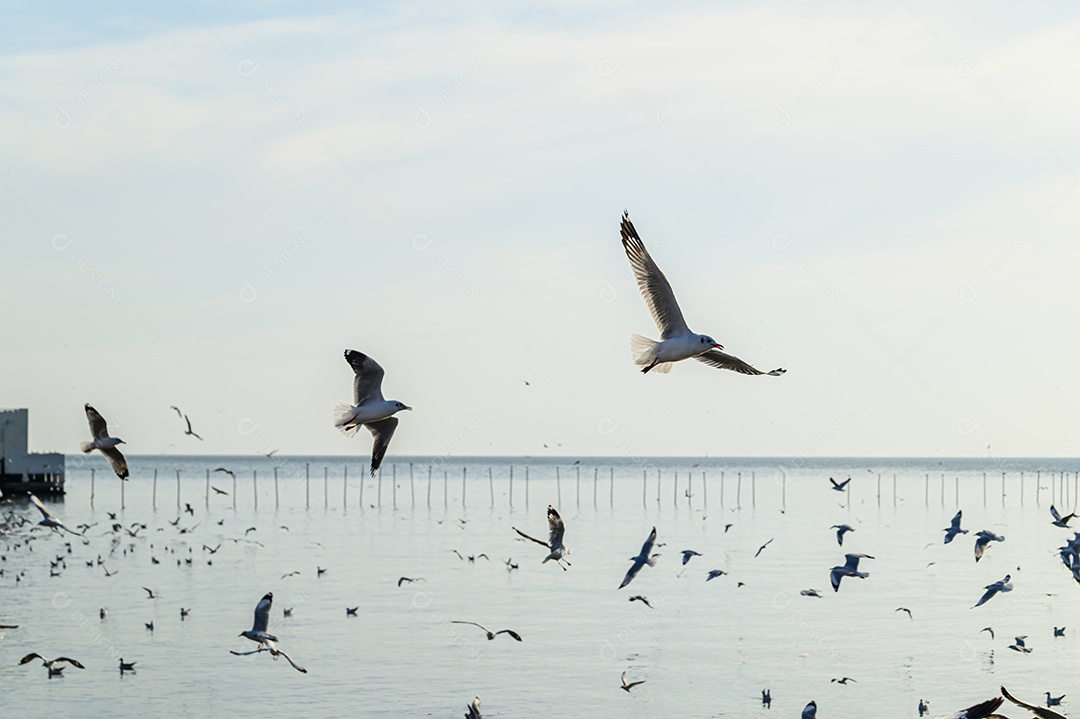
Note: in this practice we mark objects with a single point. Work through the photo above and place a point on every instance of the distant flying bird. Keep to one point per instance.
(988, 629)
(1036, 710)
(51, 663)
(556, 530)
(259, 633)
(849, 569)
(474, 709)
(954, 528)
(186, 420)
(48, 518)
(762, 547)
(627, 686)
(677, 342)
(101, 441)
(219, 491)
(841, 529)
(766, 698)
(1019, 646)
(984, 538)
(687, 554)
(369, 409)
(714, 573)
(1060, 521)
(225, 471)
(644, 557)
(839, 486)
(811, 593)
(644, 600)
(845, 680)
(1003, 585)
(402, 580)
(490, 634)
(905, 609)
(150, 593)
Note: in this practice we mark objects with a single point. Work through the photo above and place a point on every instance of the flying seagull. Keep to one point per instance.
(402, 580)
(48, 518)
(850, 569)
(627, 686)
(983, 710)
(1060, 521)
(258, 633)
(187, 421)
(810, 711)
(474, 709)
(1019, 646)
(954, 528)
(714, 573)
(988, 629)
(1003, 585)
(1036, 710)
(490, 634)
(845, 680)
(841, 529)
(50, 663)
(811, 593)
(687, 554)
(677, 342)
(99, 431)
(839, 486)
(641, 559)
(556, 529)
(905, 609)
(984, 538)
(226, 471)
(369, 409)
(762, 548)
(643, 599)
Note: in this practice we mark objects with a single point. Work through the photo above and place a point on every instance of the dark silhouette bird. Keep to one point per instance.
(556, 531)
(643, 557)
(490, 634)
(627, 686)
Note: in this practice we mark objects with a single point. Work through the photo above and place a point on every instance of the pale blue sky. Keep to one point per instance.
(205, 206)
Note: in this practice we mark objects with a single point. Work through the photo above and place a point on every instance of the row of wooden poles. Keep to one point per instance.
(1060, 491)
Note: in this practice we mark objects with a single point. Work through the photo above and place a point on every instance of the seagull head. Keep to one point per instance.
(399, 406)
(709, 342)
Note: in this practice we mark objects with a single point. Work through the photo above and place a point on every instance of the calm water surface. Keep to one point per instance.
(706, 650)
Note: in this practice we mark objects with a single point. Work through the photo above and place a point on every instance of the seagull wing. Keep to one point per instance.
(72, 662)
(98, 427)
(459, 621)
(979, 711)
(655, 288)
(531, 539)
(1036, 710)
(367, 384)
(511, 632)
(382, 431)
(556, 528)
(722, 360)
(646, 549)
(1054, 514)
(280, 653)
(632, 572)
(31, 657)
(116, 461)
(262, 614)
(44, 510)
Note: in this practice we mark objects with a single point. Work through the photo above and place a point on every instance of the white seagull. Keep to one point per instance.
(627, 686)
(556, 529)
(984, 538)
(258, 633)
(1060, 521)
(1003, 585)
(50, 663)
(641, 559)
(850, 569)
(1019, 645)
(49, 519)
(677, 342)
(474, 709)
(841, 529)
(99, 431)
(954, 528)
(369, 409)
(490, 634)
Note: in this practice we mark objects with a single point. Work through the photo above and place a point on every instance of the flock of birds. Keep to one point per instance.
(369, 409)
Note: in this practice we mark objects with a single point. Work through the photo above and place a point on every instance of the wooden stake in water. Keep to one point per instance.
(92, 485)
(705, 488)
(429, 487)
(879, 489)
(644, 485)
(1002, 489)
(942, 489)
(208, 488)
(984, 489)
(753, 489)
(526, 486)
(277, 500)
(378, 488)
(326, 487)
(1038, 482)
(783, 489)
(658, 488)
(721, 488)
(307, 487)
(558, 485)
(595, 481)
(463, 469)
(363, 478)
(154, 495)
(511, 486)
(491, 487)
(123, 485)
(393, 479)
(1021, 489)
(255, 486)
(611, 486)
(675, 490)
(738, 493)
(445, 489)
(894, 489)
(178, 489)
(578, 490)
(233, 489)
(956, 490)
(345, 486)
(412, 488)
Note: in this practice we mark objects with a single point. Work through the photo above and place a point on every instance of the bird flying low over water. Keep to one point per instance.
(48, 518)
(258, 633)
(983, 710)
(810, 711)
(627, 686)
(984, 538)
(644, 557)
(51, 664)
(1004, 585)
(369, 409)
(1038, 711)
(677, 342)
(841, 529)
(687, 554)
(490, 634)
(954, 528)
(101, 441)
(850, 569)
(556, 529)
(474, 709)
(839, 486)
(1060, 521)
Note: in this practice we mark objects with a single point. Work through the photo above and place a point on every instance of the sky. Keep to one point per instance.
(204, 206)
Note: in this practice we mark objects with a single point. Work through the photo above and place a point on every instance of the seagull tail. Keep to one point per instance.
(643, 350)
(86, 446)
(343, 416)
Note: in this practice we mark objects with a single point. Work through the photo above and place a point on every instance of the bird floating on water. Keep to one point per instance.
(677, 342)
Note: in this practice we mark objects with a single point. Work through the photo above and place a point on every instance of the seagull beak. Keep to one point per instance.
(409, 408)
(718, 346)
